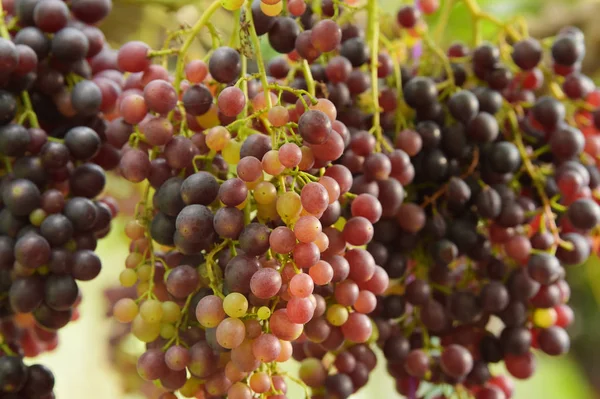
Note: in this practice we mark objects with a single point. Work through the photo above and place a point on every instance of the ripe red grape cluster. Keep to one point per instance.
(344, 197)
(54, 153)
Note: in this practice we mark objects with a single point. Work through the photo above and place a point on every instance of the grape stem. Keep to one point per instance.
(373, 37)
(310, 81)
(259, 59)
(214, 283)
(443, 20)
(215, 5)
(478, 15)
(533, 173)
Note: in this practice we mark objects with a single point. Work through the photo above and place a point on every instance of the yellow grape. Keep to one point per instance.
(217, 138)
(289, 206)
(267, 212)
(144, 272)
(271, 10)
(128, 278)
(125, 310)
(231, 152)
(232, 5)
(337, 315)
(167, 330)
(263, 313)
(544, 318)
(151, 311)
(265, 193)
(209, 119)
(235, 305)
(171, 312)
(144, 331)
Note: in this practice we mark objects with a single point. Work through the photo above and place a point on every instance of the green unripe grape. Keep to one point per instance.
(128, 278)
(37, 217)
(125, 310)
(231, 152)
(144, 331)
(167, 330)
(337, 315)
(263, 313)
(191, 387)
(171, 312)
(235, 305)
(144, 272)
(151, 311)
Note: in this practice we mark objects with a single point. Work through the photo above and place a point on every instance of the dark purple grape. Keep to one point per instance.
(567, 50)
(420, 92)
(527, 53)
(283, 34)
(463, 106)
(91, 11)
(69, 45)
(355, 50)
(26, 294)
(13, 374)
(86, 98)
(60, 292)
(504, 157)
(14, 140)
(197, 100)
(21, 197)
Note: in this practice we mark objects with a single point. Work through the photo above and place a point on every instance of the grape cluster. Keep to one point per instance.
(345, 195)
(54, 154)
(336, 199)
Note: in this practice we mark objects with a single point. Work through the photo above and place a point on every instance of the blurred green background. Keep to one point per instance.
(82, 361)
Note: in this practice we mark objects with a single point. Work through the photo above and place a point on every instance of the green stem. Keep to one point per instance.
(216, 4)
(259, 59)
(33, 120)
(442, 24)
(310, 82)
(244, 84)
(373, 35)
(3, 30)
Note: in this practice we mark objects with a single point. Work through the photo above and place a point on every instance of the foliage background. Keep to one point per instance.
(82, 361)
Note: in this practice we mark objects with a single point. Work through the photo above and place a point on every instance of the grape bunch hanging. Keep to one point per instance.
(365, 190)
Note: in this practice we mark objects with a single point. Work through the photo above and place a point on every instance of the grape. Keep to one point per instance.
(224, 65)
(160, 96)
(282, 327)
(283, 34)
(209, 311)
(238, 273)
(235, 305)
(182, 281)
(51, 16)
(69, 45)
(326, 35)
(408, 16)
(231, 101)
(265, 283)
(456, 361)
(314, 126)
(13, 375)
(231, 333)
(132, 57)
(197, 100)
(266, 348)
